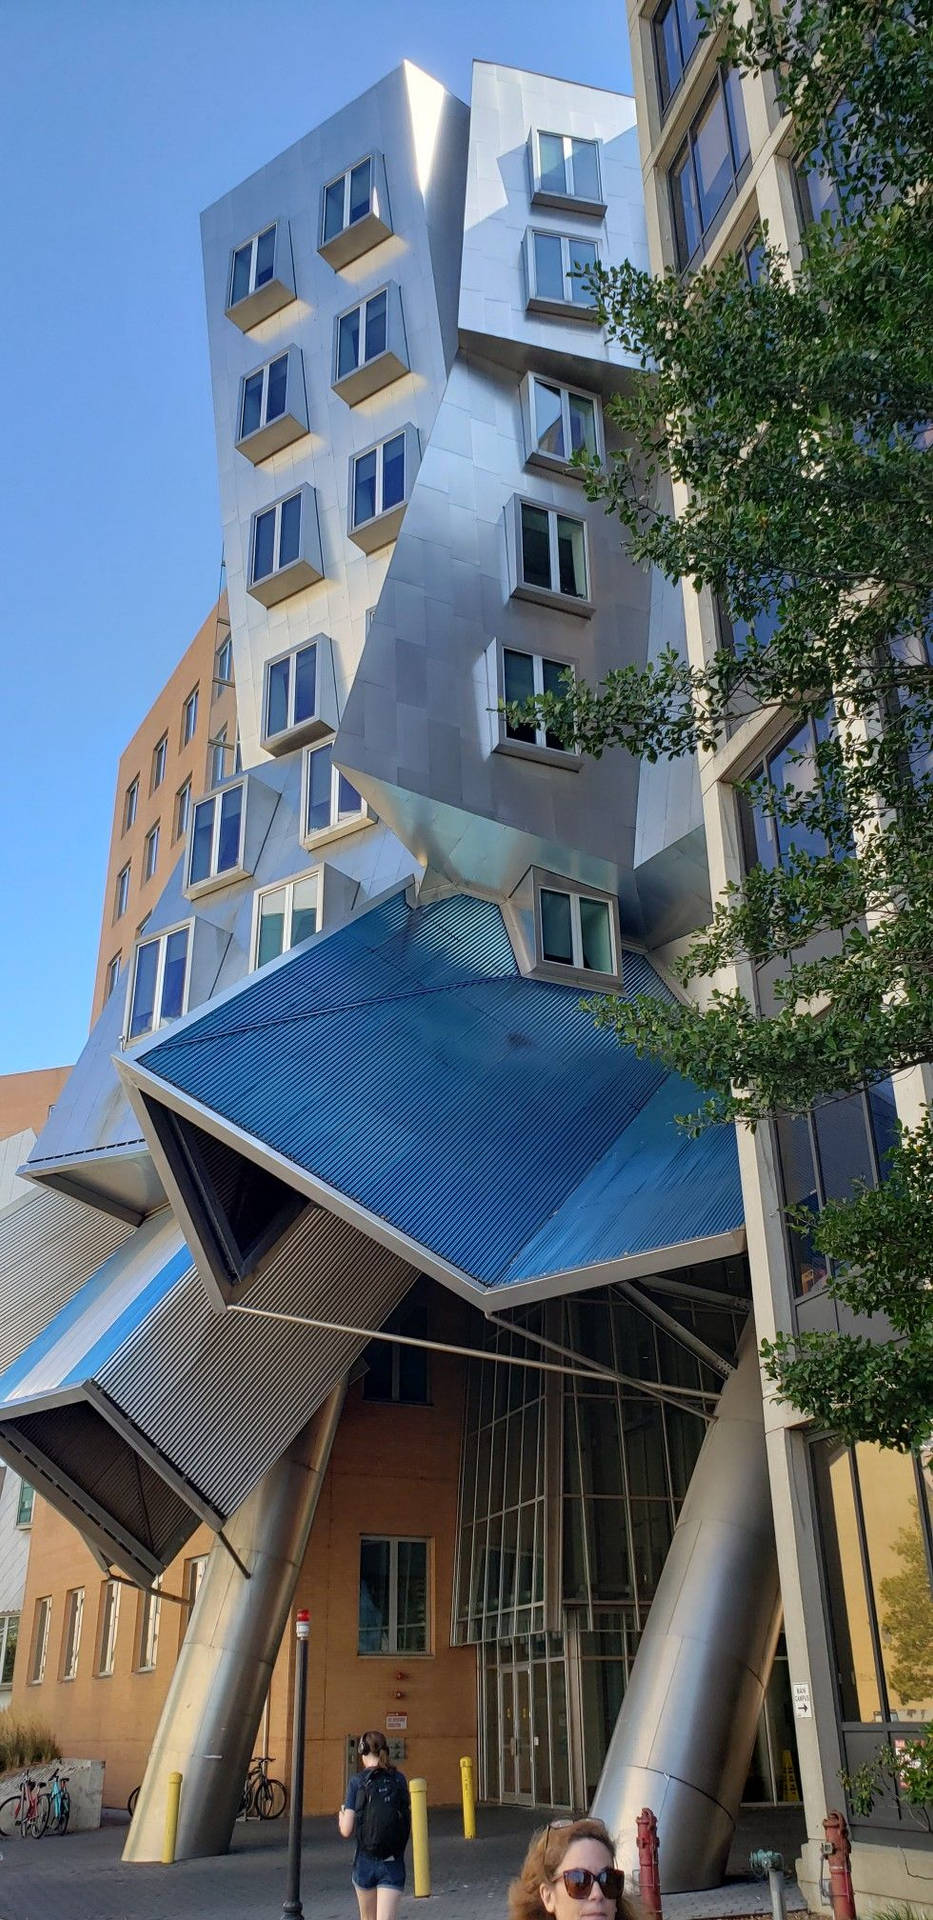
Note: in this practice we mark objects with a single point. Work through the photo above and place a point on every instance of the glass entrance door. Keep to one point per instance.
(516, 1761)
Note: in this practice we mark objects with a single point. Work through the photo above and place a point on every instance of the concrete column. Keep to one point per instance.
(214, 1704)
(685, 1735)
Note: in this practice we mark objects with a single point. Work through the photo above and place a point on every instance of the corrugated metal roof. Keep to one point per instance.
(405, 1061)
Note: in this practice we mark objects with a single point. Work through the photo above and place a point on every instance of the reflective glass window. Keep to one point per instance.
(251, 417)
(333, 208)
(348, 342)
(242, 261)
(319, 784)
(202, 840)
(304, 908)
(305, 683)
(551, 149)
(142, 1015)
(596, 934)
(275, 389)
(713, 157)
(373, 1631)
(376, 325)
(364, 493)
(549, 266)
(228, 846)
(290, 530)
(173, 975)
(360, 190)
(264, 545)
(685, 207)
(556, 927)
(583, 257)
(348, 800)
(536, 546)
(519, 685)
(585, 169)
(571, 557)
(393, 472)
(265, 256)
(549, 430)
(277, 696)
(582, 422)
(271, 926)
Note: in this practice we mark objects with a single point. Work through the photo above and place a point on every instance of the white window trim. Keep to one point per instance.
(264, 370)
(39, 1650)
(552, 196)
(364, 359)
(576, 974)
(339, 828)
(550, 596)
(568, 307)
(151, 852)
(212, 878)
(536, 456)
(107, 1647)
(288, 888)
(377, 448)
(252, 241)
(162, 938)
(538, 748)
(74, 1616)
(394, 1541)
(347, 224)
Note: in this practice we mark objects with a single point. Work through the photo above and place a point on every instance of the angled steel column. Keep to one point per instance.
(685, 1735)
(214, 1704)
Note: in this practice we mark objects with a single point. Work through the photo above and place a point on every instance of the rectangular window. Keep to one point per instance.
(675, 30)
(330, 799)
(191, 1585)
(189, 717)
(151, 852)
(25, 1505)
(42, 1620)
(284, 916)
(291, 691)
(362, 334)
(792, 769)
(149, 1608)
(71, 1632)
(347, 199)
(263, 396)
(551, 553)
(223, 664)
(182, 811)
(556, 266)
(524, 675)
(107, 1621)
(567, 169)
(130, 803)
(253, 265)
(577, 931)
(276, 537)
(393, 1609)
(217, 767)
(160, 979)
(217, 835)
(822, 1153)
(121, 892)
(159, 756)
(396, 1373)
(9, 1636)
(709, 165)
(379, 479)
(561, 422)
(112, 975)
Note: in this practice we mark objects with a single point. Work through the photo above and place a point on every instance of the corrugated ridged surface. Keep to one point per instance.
(77, 1439)
(407, 1062)
(49, 1246)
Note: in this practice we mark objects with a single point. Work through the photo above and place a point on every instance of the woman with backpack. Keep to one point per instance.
(376, 1812)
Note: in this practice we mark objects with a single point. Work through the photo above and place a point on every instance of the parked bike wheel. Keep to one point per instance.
(245, 1807)
(131, 1803)
(64, 1813)
(9, 1815)
(38, 1819)
(271, 1799)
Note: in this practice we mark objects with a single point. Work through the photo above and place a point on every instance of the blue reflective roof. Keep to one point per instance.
(407, 1062)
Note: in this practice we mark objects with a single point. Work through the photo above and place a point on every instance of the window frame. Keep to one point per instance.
(121, 891)
(573, 972)
(260, 301)
(112, 975)
(536, 456)
(567, 308)
(345, 176)
(252, 241)
(740, 170)
(583, 203)
(537, 749)
(393, 1651)
(237, 870)
(159, 762)
(356, 237)
(286, 886)
(660, 13)
(131, 804)
(189, 717)
(383, 525)
(223, 655)
(305, 568)
(6, 1619)
(272, 435)
(160, 939)
(181, 812)
(323, 718)
(148, 1619)
(39, 1644)
(108, 1625)
(371, 372)
(551, 596)
(25, 1505)
(317, 836)
(151, 853)
(71, 1633)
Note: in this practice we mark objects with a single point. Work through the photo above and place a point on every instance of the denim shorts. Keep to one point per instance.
(369, 1871)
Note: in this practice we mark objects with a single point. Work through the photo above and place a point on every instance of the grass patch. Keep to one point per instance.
(25, 1743)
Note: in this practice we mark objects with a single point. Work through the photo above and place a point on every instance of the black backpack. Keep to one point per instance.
(383, 1820)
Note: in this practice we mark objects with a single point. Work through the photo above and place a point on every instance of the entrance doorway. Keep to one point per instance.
(517, 1758)
(525, 1735)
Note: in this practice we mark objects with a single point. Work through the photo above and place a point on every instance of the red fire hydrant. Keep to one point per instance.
(649, 1872)
(837, 1850)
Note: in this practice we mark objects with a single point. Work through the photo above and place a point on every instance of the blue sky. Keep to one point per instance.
(119, 121)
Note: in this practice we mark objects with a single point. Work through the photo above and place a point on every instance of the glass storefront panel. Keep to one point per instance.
(899, 1575)
(859, 1693)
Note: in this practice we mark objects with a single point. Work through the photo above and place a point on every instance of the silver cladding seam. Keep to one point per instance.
(221, 1395)
(49, 1246)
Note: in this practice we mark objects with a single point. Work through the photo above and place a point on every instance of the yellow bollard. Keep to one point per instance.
(469, 1798)
(172, 1799)
(421, 1864)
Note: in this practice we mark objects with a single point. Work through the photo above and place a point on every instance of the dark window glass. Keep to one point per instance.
(596, 934)
(173, 977)
(9, 1651)
(305, 682)
(412, 1596)
(228, 848)
(377, 1381)
(333, 209)
(795, 768)
(571, 557)
(582, 260)
(201, 839)
(364, 488)
(252, 405)
(360, 190)
(264, 545)
(549, 268)
(738, 126)
(376, 324)
(684, 207)
(519, 683)
(393, 472)
(275, 392)
(304, 909)
(706, 169)
(552, 163)
(845, 1151)
(753, 255)
(277, 700)
(582, 423)
(883, 1119)
(348, 343)
(585, 169)
(319, 766)
(800, 1189)
(144, 985)
(349, 802)
(241, 266)
(374, 1596)
(271, 926)
(712, 157)
(548, 428)
(556, 929)
(265, 256)
(536, 547)
(290, 530)
(552, 672)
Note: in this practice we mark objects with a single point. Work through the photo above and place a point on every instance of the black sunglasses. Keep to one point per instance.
(579, 1881)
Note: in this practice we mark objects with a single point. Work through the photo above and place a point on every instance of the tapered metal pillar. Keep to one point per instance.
(214, 1704)
(685, 1735)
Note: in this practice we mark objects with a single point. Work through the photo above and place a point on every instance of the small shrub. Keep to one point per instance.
(25, 1743)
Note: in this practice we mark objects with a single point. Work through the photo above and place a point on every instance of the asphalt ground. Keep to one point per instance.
(81, 1876)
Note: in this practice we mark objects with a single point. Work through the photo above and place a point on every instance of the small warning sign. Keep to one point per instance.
(398, 1722)
(802, 1707)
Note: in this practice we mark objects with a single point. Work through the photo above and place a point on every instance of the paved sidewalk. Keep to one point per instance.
(81, 1877)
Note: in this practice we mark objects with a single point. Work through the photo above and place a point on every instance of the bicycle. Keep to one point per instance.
(26, 1811)
(264, 1798)
(59, 1801)
(131, 1803)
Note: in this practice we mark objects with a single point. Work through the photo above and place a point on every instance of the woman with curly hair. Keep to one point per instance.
(569, 1872)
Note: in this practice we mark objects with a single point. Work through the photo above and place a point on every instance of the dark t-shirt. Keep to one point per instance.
(352, 1795)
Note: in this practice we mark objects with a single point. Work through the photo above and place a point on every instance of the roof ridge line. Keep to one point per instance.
(192, 1036)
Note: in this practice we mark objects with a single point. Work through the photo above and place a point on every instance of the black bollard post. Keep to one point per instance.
(292, 1903)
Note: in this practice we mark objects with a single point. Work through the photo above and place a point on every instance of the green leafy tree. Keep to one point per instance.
(789, 420)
